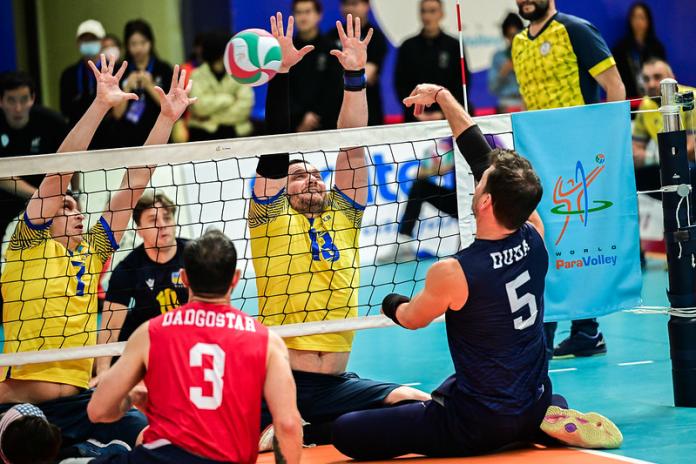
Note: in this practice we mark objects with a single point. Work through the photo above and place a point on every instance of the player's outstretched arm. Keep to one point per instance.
(172, 106)
(280, 395)
(351, 168)
(445, 288)
(471, 142)
(272, 169)
(112, 398)
(48, 198)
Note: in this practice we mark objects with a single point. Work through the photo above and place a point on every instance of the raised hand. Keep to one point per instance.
(422, 97)
(174, 103)
(353, 57)
(291, 55)
(109, 92)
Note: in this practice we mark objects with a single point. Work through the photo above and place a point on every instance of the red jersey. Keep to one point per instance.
(205, 378)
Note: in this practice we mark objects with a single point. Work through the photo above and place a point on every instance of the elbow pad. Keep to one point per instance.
(391, 303)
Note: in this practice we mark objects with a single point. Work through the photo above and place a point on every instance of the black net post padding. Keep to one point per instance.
(680, 240)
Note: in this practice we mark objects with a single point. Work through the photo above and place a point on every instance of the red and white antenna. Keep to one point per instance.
(461, 53)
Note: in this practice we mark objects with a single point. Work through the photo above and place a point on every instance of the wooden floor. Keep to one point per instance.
(329, 455)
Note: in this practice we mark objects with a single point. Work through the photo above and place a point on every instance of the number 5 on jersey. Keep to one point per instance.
(213, 376)
(519, 302)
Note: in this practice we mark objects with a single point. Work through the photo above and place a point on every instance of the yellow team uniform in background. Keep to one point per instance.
(50, 299)
(307, 269)
(647, 125)
(556, 68)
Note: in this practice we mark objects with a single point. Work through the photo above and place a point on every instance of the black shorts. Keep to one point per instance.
(322, 398)
(458, 426)
(69, 414)
(166, 454)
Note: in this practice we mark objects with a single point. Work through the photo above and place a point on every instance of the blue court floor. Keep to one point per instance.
(632, 384)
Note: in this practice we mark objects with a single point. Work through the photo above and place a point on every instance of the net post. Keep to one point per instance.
(680, 240)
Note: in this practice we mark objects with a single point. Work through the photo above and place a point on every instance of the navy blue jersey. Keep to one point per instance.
(496, 340)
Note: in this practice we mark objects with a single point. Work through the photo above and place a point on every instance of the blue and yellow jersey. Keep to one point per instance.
(558, 66)
(647, 125)
(50, 299)
(307, 269)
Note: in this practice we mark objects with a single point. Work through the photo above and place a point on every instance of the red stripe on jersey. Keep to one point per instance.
(205, 378)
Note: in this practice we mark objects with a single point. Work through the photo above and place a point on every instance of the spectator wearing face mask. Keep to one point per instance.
(111, 46)
(78, 85)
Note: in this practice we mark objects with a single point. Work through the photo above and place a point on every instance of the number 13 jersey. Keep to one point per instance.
(205, 378)
(496, 340)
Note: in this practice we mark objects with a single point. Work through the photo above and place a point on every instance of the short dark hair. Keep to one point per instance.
(512, 20)
(346, 1)
(115, 38)
(317, 4)
(31, 440)
(213, 46)
(149, 200)
(514, 187)
(12, 80)
(210, 262)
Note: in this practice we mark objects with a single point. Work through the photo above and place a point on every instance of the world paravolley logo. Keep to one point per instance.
(572, 198)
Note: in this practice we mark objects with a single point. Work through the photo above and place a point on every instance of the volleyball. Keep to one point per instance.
(253, 57)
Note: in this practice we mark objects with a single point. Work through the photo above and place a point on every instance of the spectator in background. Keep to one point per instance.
(502, 81)
(111, 46)
(562, 60)
(376, 53)
(431, 56)
(311, 79)
(224, 105)
(78, 86)
(638, 45)
(145, 71)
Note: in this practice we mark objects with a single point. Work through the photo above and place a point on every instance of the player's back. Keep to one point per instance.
(496, 339)
(205, 378)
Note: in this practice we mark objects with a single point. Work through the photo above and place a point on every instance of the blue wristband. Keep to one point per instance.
(354, 81)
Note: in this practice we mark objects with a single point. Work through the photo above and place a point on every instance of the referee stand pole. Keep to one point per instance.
(680, 239)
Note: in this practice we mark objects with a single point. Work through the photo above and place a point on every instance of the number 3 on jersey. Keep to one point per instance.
(213, 376)
(519, 302)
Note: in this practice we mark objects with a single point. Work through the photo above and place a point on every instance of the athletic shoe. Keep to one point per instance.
(580, 344)
(266, 439)
(574, 428)
(93, 448)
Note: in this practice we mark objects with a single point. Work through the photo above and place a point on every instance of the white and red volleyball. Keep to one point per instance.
(253, 57)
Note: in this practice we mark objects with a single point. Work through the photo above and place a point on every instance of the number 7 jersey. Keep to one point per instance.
(205, 377)
(496, 340)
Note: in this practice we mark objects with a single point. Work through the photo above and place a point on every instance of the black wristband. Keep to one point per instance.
(354, 81)
(473, 145)
(391, 303)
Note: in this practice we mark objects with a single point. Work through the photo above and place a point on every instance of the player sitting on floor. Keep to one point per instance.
(492, 295)
(206, 367)
(49, 283)
(304, 245)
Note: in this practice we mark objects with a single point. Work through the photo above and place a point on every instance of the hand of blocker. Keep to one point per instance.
(109, 92)
(353, 57)
(174, 103)
(291, 55)
(422, 97)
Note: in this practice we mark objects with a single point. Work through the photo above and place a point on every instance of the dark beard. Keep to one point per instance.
(538, 13)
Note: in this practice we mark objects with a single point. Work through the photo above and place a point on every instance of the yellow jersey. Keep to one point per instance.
(307, 269)
(50, 299)
(647, 125)
(557, 67)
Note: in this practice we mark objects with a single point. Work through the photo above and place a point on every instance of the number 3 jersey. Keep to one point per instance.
(496, 340)
(146, 287)
(205, 377)
(307, 269)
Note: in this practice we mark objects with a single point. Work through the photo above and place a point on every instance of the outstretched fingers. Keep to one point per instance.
(279, 20)
(368, 37)
(175, 77)
(306, 49)
(182, 79)
(291, 26)
(350, 31)
(341, 33)
(94, 68)
(121, 71)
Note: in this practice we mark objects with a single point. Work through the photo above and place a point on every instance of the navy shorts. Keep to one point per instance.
(166, 454)
(69, 414)
(458, 427)
(322, 398)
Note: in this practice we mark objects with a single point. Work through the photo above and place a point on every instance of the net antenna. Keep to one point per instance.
(461, 54)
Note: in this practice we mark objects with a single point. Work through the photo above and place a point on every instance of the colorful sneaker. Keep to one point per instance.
(266, 439)
(580, 344)
(574, 428)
